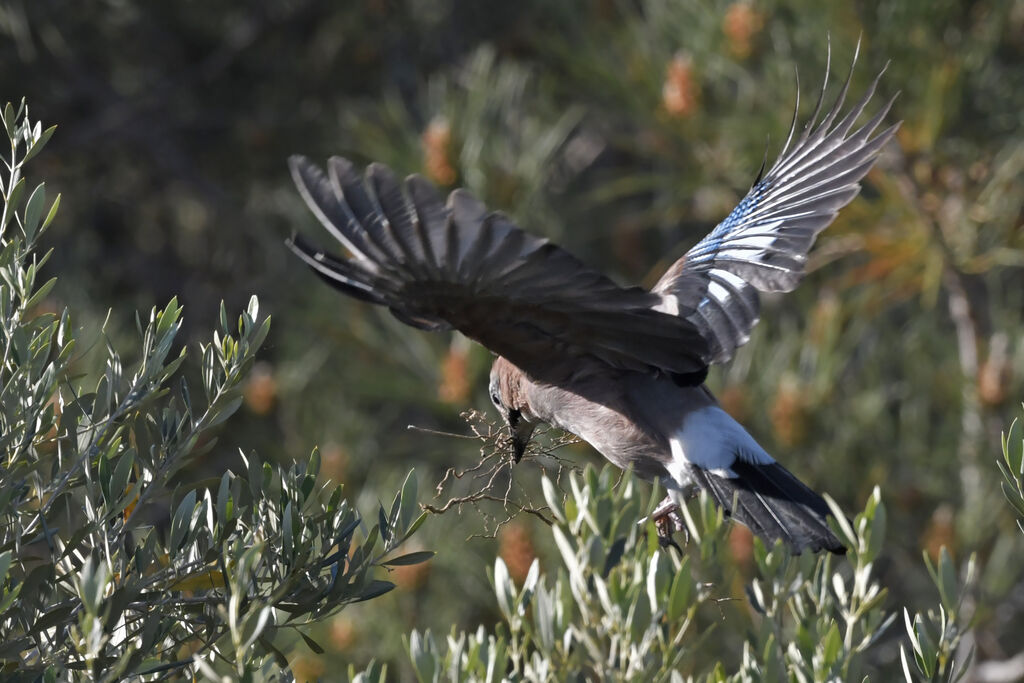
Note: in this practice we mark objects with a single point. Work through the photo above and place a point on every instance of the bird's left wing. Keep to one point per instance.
(439, 265)
(763, 243)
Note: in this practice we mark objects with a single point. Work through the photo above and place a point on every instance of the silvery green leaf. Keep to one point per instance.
(504, 589)
(181, 520)
(423, 653)
(38, 142)
(1013, 448)
(34, 211)
(122, 471)
(50, 215)
(410, 558)
(409, 502)
(553, 499)
(681, 593)
(543, 618)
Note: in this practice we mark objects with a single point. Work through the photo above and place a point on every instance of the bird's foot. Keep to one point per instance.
(668, 521)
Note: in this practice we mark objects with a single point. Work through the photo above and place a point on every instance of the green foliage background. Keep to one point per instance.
(625, 130)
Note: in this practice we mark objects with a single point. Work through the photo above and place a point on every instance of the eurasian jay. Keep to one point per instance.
(621, 367)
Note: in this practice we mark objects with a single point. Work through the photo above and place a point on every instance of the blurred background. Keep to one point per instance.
(625, 130)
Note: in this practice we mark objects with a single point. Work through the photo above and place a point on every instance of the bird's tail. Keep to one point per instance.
(774, 504)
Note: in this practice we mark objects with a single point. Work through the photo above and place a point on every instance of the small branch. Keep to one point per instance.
(495, 463)
(437, 432)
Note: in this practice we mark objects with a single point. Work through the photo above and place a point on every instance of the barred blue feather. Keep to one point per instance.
(762, 244)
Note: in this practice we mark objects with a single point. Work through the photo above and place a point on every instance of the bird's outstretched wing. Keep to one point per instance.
(763, 244)
(447, 265)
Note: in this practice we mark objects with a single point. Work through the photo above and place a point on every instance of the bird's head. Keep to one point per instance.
(507, 395)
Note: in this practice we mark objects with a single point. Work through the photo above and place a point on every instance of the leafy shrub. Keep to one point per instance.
(621, 608)
(94, 581)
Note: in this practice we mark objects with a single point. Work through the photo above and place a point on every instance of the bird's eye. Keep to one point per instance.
(496, 400)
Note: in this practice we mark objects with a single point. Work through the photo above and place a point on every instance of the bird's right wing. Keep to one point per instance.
(448, 265)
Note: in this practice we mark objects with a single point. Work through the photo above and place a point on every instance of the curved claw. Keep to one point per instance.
(667, 521)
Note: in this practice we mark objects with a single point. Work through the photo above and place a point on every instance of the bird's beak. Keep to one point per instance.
(521, 433)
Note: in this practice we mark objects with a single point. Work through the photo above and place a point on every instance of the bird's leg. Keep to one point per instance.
(667, 521)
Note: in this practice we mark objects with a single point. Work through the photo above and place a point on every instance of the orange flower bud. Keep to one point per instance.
(740, 25)
(516, 548)
(680, 90)
(437, 142)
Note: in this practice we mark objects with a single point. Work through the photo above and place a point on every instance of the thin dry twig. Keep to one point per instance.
(491, 476)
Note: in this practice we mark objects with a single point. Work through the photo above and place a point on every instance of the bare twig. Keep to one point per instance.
(492, 473)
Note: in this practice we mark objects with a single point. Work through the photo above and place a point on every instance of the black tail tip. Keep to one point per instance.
(817, 544)
(775, 505)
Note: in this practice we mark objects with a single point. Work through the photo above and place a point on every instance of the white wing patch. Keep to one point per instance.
(710, 439)
(735, 280)
(669, 304)
(719, 293)
(752, 246)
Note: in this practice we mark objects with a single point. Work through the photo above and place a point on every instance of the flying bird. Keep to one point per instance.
(621, 367)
